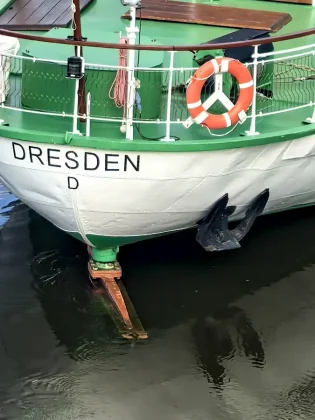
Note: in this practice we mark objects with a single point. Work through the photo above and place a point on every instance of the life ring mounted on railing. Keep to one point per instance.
(235, 112)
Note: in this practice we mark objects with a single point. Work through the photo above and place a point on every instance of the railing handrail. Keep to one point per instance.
(198, 47)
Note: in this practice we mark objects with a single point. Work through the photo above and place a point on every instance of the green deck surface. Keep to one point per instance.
(101, 22)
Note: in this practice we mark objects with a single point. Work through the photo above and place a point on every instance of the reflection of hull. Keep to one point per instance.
(6, 199)
(108, 197)
(284, 315)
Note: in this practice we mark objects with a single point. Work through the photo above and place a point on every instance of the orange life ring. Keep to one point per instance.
(238, 112)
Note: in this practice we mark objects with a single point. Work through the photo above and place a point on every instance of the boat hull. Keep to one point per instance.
(108, 198)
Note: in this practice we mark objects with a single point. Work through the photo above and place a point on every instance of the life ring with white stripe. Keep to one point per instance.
(235, 113)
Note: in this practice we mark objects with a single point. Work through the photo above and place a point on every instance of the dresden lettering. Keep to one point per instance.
(88, 161)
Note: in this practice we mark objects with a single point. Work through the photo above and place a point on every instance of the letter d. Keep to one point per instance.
(73, 183)
(18, 154)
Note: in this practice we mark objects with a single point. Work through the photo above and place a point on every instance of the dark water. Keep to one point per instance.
(231, 335)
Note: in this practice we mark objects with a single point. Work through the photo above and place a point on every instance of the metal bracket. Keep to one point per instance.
(71, 38)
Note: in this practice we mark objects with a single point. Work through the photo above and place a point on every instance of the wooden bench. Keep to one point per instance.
(202, 14)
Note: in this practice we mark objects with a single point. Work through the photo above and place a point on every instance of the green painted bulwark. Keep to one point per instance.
(193, 145)
(54, 85)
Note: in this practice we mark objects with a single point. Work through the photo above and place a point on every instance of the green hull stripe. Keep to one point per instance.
(155, 146)
(104, 242)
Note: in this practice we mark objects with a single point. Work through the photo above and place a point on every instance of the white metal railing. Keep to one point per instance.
(252, 130)
(169, 98)
(287, 58)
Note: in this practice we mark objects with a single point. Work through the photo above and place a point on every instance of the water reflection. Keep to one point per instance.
(220, 336)
(7, 202)
(231, 335)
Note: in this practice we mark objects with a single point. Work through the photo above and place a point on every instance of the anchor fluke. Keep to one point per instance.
(255, 209)
(213, 231)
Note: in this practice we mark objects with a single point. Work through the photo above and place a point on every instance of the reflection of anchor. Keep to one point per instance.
(213, 232)
(222, 336)
(119, 305)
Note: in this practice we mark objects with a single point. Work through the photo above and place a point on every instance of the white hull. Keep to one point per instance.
(145, 193)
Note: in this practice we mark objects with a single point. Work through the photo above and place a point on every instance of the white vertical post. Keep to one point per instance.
(132, 30)
(310, 120)
(88, 115)
(169, 99)
(252, 130)
(76, 108)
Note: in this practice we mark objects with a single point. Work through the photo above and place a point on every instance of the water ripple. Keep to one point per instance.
(298, 400)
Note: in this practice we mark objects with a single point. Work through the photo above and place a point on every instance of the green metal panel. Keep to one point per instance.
(45, 88)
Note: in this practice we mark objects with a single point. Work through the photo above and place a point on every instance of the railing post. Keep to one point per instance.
(76, 108)
(310, 120)
(88, 115)
(252, 130)
(132, 30)
(169, 99)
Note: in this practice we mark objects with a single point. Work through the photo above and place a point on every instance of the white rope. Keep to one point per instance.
(73, 24)
(293, 66)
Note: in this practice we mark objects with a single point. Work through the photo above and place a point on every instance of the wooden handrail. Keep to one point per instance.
(198, 47)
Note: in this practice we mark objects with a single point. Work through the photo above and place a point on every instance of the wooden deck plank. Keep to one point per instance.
(38, 15)
(15, 8)
(42, 11)
(55, 13)
(27, 12)
(231, 17)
